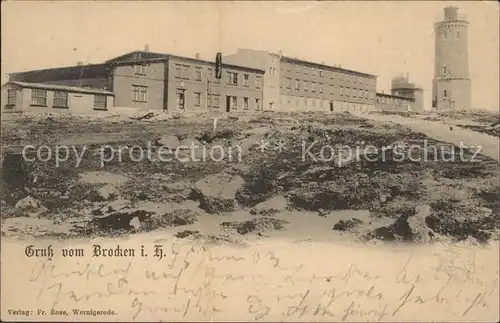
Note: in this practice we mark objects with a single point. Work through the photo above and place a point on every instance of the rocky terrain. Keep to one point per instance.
(373, 196)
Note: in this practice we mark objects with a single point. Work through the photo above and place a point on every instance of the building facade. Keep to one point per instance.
(146, 80)
(451, 86)
(394, 103)
(50, 98)
(291, 84)
(402, 87)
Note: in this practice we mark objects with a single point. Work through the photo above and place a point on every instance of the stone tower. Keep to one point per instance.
(451, 86)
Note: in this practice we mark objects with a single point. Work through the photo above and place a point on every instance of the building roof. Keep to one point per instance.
(60, 88)
(323, 66)
(147, 57)
(394, 96)
(62, 73)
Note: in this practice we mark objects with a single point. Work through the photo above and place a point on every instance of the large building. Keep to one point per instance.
(294, 84)
(451, 86)
(142, 79)
(401, 86)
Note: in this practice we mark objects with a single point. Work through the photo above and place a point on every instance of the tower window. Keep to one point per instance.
(458, 34)
(445, 34)
(445, 70)
(445, 93)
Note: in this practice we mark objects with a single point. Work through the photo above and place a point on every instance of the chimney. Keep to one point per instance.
(146, 48)
(79, 63)
(197, 55)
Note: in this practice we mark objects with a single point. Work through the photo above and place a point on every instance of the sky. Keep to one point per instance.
(384, 38)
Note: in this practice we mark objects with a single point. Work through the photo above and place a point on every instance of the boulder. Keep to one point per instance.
(408, 227)
(257, 225)
(273, 205)
(347, 225)
(107, 191)
(31, 206)
(216, 193)
(169, 141)
(188, 142)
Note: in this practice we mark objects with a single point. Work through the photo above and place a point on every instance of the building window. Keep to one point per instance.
(60, 99)
(321, 73)
(296, 85)
(39, 97)
(186, 72)
(305, 69)
(11, 97)
(288, 83)
(234, 102)
(257, 104)
(100, 102)
(313, 86)
(232, 78)
(246, 79)
(341, 90)
(313, 72)
(258, 82)
(198, 74)
(245, 103)
(297, 69)
(306, 86)
(347, 91)
(215, 100)
(140, 93)
(321, 88)
(178, 71)
(331, 89)
(197, 99)
(140, 69)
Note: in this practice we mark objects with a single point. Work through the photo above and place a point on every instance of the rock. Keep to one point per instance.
(187, 233)
(169, 141)
(97, 177)
(216, 193)
(107, 191)
(175, 218)
(31, 206)
(273, 205)
(14, 171)
(238, 169)
(258, 224)
(346, 225)
(187, 143)
(135, 223)
(408, 227)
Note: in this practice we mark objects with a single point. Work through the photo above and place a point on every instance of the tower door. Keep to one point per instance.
(181, 103)
(228, 103)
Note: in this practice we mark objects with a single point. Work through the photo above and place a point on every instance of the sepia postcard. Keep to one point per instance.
(250, 161)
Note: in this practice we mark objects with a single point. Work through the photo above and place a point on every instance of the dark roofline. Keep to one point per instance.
(189, 59)
(394, 96)
(60, 68)
(407, 88)
(329, 67)
(447, 21)
(55, 87)
(135, 52)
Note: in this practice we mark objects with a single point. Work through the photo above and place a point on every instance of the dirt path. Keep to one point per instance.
(441, 131)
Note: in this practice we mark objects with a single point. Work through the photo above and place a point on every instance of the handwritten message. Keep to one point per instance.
(183, 280)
